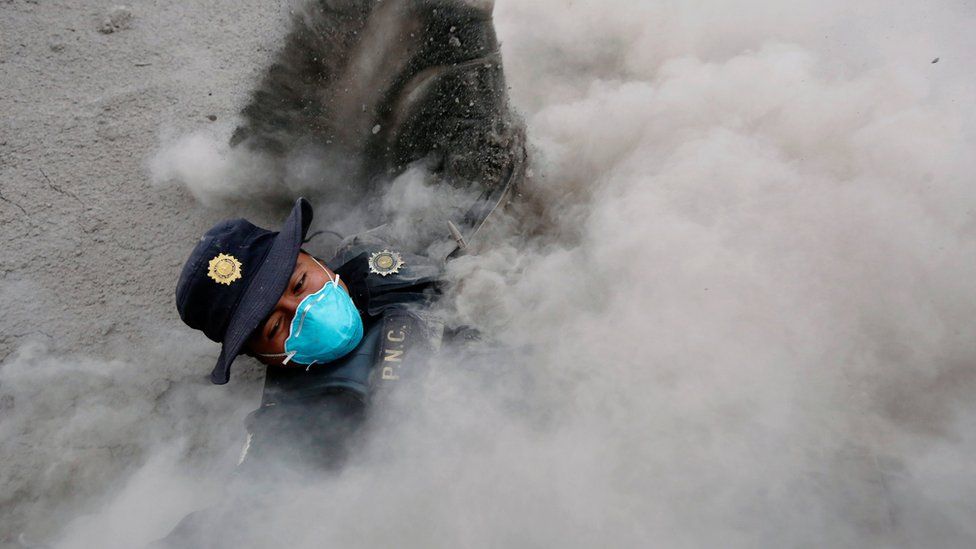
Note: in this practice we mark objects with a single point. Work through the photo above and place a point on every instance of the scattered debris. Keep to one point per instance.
(936, 60)
(211, 117)
(118, 18)
(142, 64)
(12, 203)
(59, 189)
(376, 129)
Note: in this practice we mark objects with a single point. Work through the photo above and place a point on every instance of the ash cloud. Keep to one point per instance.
(737, 310)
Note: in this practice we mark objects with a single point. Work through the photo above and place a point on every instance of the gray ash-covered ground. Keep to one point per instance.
(90, 248)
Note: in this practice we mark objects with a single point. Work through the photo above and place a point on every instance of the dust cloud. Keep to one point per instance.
(733, 308)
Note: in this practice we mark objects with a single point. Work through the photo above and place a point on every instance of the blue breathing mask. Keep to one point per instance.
(326, 326)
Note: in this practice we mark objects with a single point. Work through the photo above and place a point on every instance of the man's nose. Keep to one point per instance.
(289, 302)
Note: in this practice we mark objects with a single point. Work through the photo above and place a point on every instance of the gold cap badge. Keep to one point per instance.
(224, 269)
(385, 263)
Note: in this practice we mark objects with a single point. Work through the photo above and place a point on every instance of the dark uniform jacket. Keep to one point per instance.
(310, 415)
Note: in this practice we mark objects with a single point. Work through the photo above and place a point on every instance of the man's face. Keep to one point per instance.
(269, 338)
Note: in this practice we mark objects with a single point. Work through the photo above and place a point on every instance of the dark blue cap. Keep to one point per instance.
(235, 276)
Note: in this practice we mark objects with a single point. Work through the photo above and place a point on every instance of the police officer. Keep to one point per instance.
(332, 333)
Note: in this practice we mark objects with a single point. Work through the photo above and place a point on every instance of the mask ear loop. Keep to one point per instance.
(288, 356)
(327, 273)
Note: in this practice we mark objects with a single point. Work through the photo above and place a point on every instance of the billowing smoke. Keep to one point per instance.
(733, 307)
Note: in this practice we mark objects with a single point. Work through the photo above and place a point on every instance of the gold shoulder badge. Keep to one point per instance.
(224, 269)
(385, 263)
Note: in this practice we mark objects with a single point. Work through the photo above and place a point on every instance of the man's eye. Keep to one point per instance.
(300, 284)
(274, 328)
